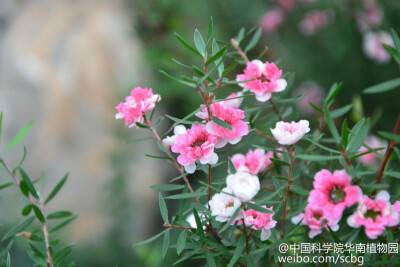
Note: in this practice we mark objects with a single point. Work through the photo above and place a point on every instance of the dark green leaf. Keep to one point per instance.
(157, 157)
(36, 251)
(150, 239)
(163, 208)
(177, 80)
(57, 188)
(322, 146)
(254, 40)
(187, 195)
(28, 183)
(315, 107)
(221, 123)
(345, 133)
(167, 187)
(5, 185)
(18, 137)
(390, 136)
(138, 139)
(210, 259)
(181, 243)
(8, 260)
(331, 125)
(396, 39)
(165, 243)
(232, 169)
(333, 92)
(217, 55)
(316, 157)
(238, 251)
(210, 30)
(200, 230)
(229, 69)
(299, 190)
(26, 210)
(63, 224)
(59, 215)
(258, 208)
(279, 162)
(38, 213)
(341, 111)
(357, 135)
(199, 42)
(23, 187)
(383, 87)
(188, 46)
(393, 174)
(17, 229)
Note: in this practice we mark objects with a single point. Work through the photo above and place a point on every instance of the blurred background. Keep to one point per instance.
(66, 64)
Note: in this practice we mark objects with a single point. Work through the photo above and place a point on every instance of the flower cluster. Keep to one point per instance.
(254, 162)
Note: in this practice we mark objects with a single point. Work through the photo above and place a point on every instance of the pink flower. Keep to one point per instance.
(334, 192)
(374, 215)
(369, 19)
(259, 221)
(272, 19)
(396, 207)
(314, 21)
(373, 142)
(290, 133)
(136, 105)
(233, 117)
(316, 218)
(288, 5)
(231, 100)
(254, 162)
(373, 46)
(171, 140)
(196, 144)
(312, 93)
(266, 79)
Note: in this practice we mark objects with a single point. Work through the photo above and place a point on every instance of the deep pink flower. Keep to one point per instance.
(259, 221)
(316, 218)
(314, 21)
(136, 105)
(373, 46)
(196, 144)
(272, 19)
(233, 116)
(374, 215)
(371, 158)
(266, 79)
(255, 161)
(289, 133)
(334, 192)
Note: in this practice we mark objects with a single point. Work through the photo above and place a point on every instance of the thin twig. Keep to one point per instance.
(235, 45)
(247, 237)
(259, 132)
(178, 167)
(291, 154)
(168, 225)
(276, 110)
(391, 144)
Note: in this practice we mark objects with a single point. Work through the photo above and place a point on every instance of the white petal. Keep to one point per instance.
(265, 234)
(383, 195)
(214, 159)
(314, 233)
(191, 168)
(264, 97)
(281, 85)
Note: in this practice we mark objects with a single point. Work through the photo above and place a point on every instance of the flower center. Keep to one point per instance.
(230, 204)
(371, 214)
(198, 143)
(337, 195)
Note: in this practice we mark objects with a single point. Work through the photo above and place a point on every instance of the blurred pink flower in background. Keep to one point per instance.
(288, 5)
(369, 19)
(314, 21)
(373, 142)
(312, 93)
(373, 46)
(272, 19)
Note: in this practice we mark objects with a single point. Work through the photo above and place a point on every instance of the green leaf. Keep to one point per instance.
(150, 239)
(341, 111)
(238, 251)
(38, 213)
(345, 133)
(26, 210)
(185, 44)
(18, 137)
(167, 187)
(187, 195)
(28, 183)
(36, 251)
(221, 123)
(333, 92)
(322, 146)
(210, 30)
(166, 243)
(331, 124)
(279, 162)
(316, 157)
(63, 224)
(5, 185)
(217, 55)
(210, 259)
(24, 188)
(8, 260)
(383, 87)
(17, 229)
(181, 121)
(57, 188)
(315, 107)
(230, 68)
(138, 140)
(163, 208)
(1, 121)
(181, 243)
(59, 215)
(357, 135)
(258, 208)
(396, 39)
(390, 136)
(254, 40)
(199, 43)
(393, 174)
(200, 230)
(231, 166)
(157, 157)
(299, 190)
(177, 80)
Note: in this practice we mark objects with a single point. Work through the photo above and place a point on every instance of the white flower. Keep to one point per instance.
(171, 140)
(290, 133)
(224, 206)
(243, 185)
